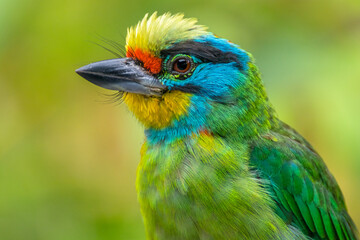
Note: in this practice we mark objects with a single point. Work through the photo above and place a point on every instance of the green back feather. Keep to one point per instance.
(305, 191)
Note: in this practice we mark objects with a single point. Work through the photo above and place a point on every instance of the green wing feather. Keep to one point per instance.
(306, 193)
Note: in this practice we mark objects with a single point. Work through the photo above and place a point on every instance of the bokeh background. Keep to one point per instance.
(68, 155)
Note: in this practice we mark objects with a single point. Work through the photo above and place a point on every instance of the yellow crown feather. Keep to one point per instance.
(158, 32)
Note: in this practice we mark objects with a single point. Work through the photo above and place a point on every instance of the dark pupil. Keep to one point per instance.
(182, 64)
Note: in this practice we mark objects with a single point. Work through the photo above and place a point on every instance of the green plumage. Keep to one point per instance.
(217, 162)
(202, 188)
(212, 188)
(306, 193)
(241, 179)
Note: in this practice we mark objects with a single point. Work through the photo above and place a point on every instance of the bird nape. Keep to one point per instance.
(217, 163)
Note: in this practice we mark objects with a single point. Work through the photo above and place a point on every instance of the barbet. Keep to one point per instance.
(217, 163)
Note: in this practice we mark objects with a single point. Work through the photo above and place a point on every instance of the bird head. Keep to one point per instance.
(179, 80)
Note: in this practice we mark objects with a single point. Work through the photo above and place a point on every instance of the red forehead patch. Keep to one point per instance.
(151, 63)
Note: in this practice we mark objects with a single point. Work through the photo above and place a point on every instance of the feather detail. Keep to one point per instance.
(156, 33)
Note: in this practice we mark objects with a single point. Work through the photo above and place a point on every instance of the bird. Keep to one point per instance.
(216, 162)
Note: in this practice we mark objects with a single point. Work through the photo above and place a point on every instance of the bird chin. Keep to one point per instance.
(158, 111)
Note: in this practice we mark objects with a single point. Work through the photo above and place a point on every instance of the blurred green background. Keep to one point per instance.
(68, 158)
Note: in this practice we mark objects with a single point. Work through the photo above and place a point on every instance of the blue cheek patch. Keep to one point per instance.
(214, 80)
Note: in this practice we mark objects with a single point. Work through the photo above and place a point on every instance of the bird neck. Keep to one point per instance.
(189, 124)
(249, 115)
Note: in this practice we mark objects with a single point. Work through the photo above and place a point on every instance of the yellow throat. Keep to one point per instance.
(155, 112)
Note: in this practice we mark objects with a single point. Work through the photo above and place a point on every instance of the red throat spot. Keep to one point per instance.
(206, 132)
(151, 63)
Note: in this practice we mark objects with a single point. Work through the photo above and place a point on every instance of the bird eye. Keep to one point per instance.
(181, 66)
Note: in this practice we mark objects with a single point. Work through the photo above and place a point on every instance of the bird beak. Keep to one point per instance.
(122, 74)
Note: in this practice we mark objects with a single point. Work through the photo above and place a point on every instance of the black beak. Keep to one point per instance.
(122, 74)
